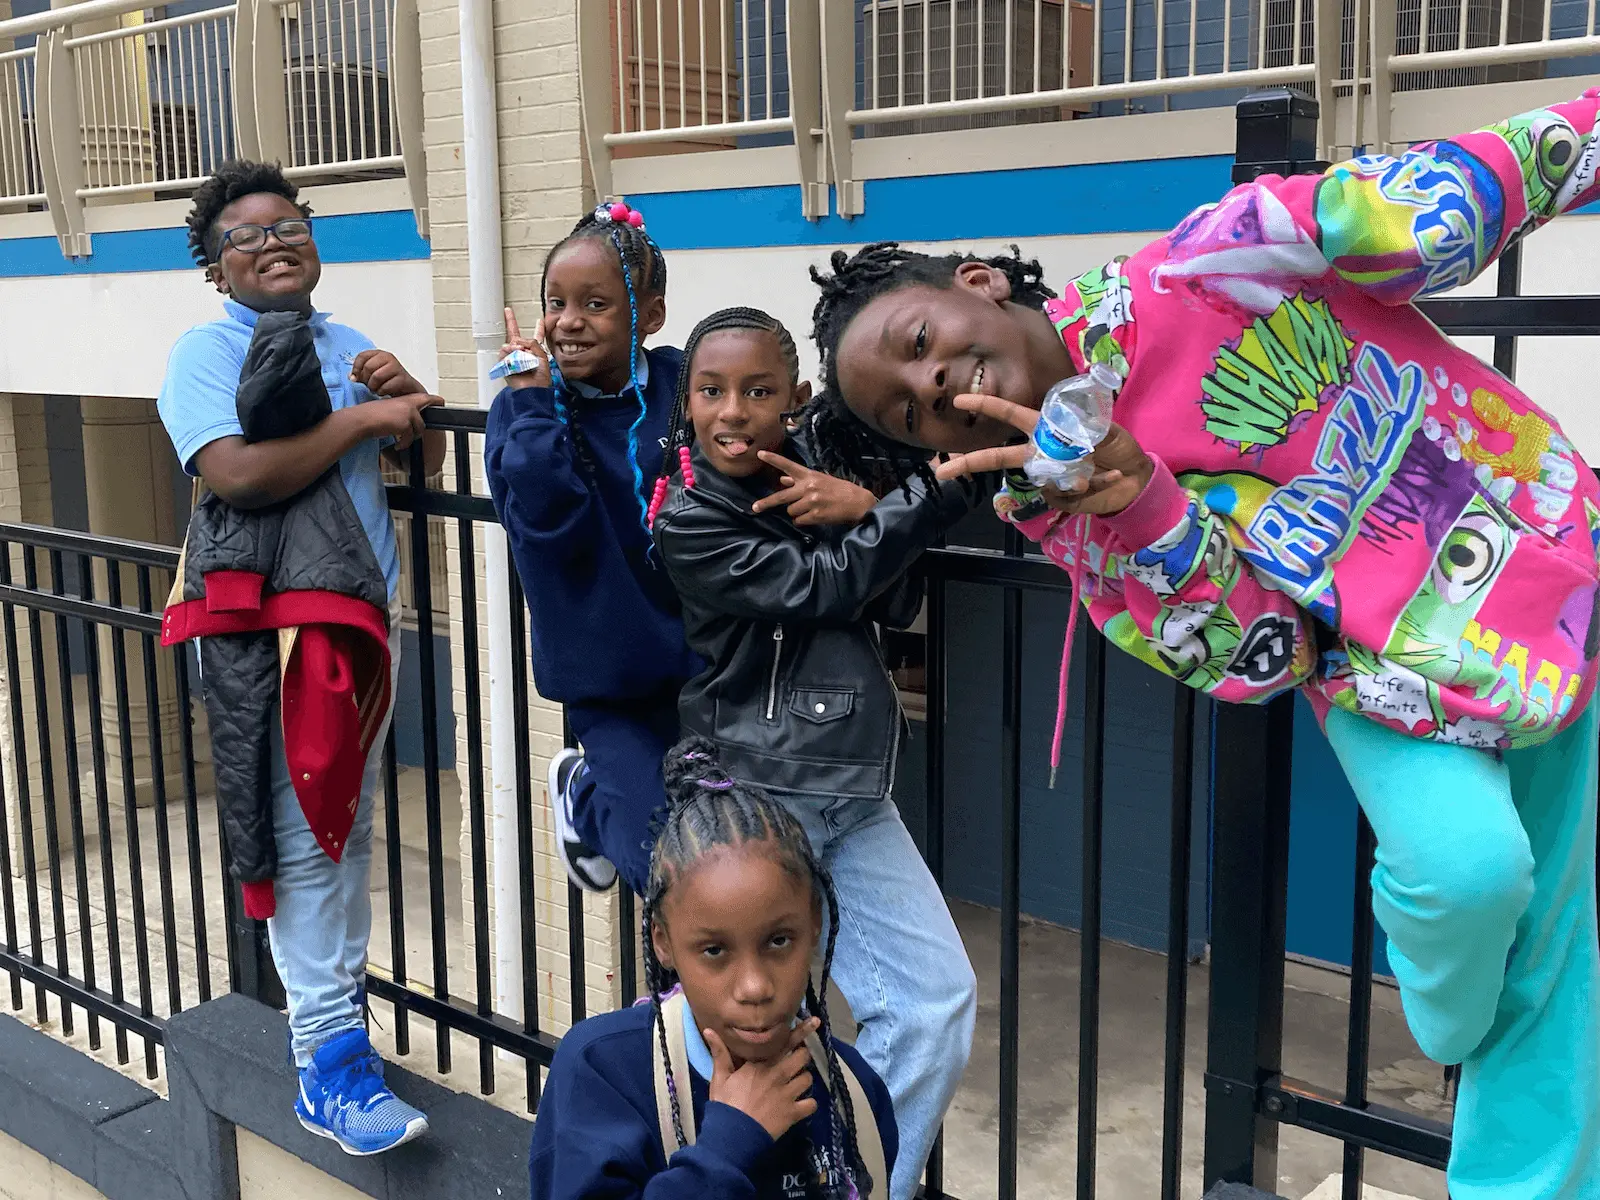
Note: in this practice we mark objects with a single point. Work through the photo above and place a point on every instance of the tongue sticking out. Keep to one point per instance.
(734, 446)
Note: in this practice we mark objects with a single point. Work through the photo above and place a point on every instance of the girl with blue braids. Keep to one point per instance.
(572, 451)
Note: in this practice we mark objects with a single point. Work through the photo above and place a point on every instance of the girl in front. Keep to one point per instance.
(795, 694)
(736, 908)
(1307, 485)
(570, 457)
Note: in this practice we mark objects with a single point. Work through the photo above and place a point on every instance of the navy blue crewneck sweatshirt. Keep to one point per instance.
(596, 1136)
(605, 621)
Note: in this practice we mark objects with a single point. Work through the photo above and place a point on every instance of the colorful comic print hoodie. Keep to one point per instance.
(1344, 500)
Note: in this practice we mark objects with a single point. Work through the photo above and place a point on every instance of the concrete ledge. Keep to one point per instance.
(232, 1053)
(1238, 1191)
(101, 1126)
(228, 1069)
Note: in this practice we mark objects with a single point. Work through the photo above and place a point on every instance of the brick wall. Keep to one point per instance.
(543, 191)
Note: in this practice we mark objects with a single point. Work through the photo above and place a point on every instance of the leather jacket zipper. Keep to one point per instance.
(772, 685)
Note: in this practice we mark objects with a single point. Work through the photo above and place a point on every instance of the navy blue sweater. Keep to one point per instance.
(597, 1137)
(605, 623)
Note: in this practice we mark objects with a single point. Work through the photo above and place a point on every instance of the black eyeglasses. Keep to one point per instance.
(252, 239)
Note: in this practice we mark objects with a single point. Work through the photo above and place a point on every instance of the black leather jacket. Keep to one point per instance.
(796, 695)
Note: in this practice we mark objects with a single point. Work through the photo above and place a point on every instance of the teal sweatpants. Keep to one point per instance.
(1485, 884)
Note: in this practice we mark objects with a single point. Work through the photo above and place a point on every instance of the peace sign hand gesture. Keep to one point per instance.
(540, 376)
(1122, 468)
(813, 497)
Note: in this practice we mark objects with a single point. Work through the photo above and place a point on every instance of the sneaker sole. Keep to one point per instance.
(564, 834)
(413, 1130)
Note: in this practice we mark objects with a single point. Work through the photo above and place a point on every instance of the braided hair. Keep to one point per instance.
(706, 810)
(680, 430)
(644, 273)
(843, 443)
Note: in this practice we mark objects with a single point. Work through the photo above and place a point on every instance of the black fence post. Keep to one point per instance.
(1277, 135)
(250, 955)
(1249, 896)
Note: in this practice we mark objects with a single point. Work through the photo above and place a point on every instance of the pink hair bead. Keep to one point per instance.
(619, 211)
(657, 497)
(688, 471)
(636, 219)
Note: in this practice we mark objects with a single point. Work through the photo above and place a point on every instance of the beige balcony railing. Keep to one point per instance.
(111, 104)
(700, 76)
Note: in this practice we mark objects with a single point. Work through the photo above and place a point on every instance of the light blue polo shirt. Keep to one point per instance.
(198, 405)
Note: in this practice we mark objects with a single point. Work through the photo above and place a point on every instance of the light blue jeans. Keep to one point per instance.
(1485, 884)
(323, 922)
(900, 964)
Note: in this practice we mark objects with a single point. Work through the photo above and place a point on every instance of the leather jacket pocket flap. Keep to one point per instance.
(821, 706)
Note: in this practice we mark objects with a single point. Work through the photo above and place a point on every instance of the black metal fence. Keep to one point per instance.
(117, 939)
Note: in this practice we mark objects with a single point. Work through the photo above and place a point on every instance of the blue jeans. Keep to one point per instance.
(1485, 884)
(323, 922)
(899, 962)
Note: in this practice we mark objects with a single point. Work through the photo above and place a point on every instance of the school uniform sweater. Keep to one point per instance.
(597, 1136)
(605, 624)
(1343, 499)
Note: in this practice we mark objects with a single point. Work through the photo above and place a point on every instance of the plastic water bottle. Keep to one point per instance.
(1073, 420)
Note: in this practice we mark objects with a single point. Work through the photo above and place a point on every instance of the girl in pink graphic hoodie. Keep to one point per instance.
(1307, 485)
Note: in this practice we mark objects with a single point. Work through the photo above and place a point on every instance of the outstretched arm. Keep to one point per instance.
(1430, 218)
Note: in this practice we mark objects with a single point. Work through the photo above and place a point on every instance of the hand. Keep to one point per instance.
(381, 374)
(774, 1094)
(1122, 466)
(535, 345)
(399, 417)
(813, 497)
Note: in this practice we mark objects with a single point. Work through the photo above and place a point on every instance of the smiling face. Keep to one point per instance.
(739, 390)
(740, 931)
(276, 277)
(586, 313)
(910, 352)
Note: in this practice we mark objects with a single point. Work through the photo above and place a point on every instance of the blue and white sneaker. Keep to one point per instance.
(343, 1098)
(586, 867)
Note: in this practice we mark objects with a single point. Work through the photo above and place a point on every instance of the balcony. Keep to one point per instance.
(828, 93)
(114, 102)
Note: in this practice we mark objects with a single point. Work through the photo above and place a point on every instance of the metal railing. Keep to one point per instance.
(20, 179)
(153, 98)
(108, 105)
(342, 107)
(663, 76)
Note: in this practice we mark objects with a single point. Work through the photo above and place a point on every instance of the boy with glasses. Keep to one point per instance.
(254, 239)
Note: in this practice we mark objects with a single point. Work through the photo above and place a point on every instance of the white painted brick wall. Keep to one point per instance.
(544, 190)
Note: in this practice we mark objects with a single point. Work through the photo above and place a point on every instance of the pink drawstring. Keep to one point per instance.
(1079, 545)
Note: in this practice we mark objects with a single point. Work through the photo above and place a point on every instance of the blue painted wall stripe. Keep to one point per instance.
(1088, 198)
(347, 238)
(1125, 197)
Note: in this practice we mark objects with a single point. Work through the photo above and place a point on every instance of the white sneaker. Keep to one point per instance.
(586, 867)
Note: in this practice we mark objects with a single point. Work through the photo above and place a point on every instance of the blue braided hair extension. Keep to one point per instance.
(633, 378)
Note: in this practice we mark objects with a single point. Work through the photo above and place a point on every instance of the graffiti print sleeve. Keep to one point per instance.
(1163, 582)
(1433, 217)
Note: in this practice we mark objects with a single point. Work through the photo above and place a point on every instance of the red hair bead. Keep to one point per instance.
(688, 471)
